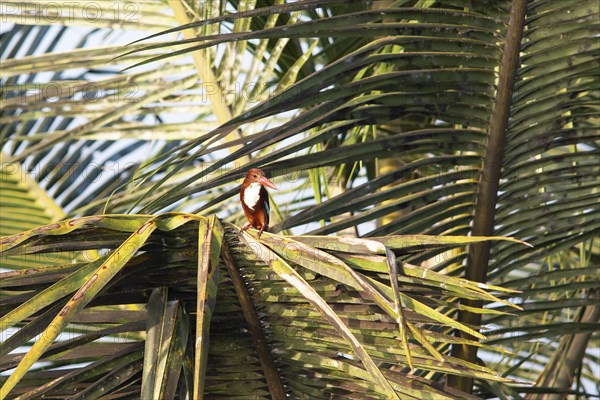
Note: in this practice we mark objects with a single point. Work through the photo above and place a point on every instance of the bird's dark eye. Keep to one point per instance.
(254, 176)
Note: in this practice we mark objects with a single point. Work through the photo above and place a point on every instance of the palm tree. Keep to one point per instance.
(399, 126)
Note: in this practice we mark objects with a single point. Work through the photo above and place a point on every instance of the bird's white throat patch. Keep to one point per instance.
(252, 194)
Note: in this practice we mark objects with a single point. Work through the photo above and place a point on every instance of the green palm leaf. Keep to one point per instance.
(387, 120)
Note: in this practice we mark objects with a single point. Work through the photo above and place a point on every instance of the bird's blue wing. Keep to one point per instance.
(267, 207)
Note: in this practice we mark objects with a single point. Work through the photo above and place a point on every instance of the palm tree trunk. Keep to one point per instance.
(489, 180)
(560, 372)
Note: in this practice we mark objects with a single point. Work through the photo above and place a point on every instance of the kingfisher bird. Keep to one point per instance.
(255, 200)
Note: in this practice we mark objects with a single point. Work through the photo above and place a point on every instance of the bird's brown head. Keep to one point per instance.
(258, 175)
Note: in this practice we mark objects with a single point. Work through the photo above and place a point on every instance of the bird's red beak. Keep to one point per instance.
(264, 181)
